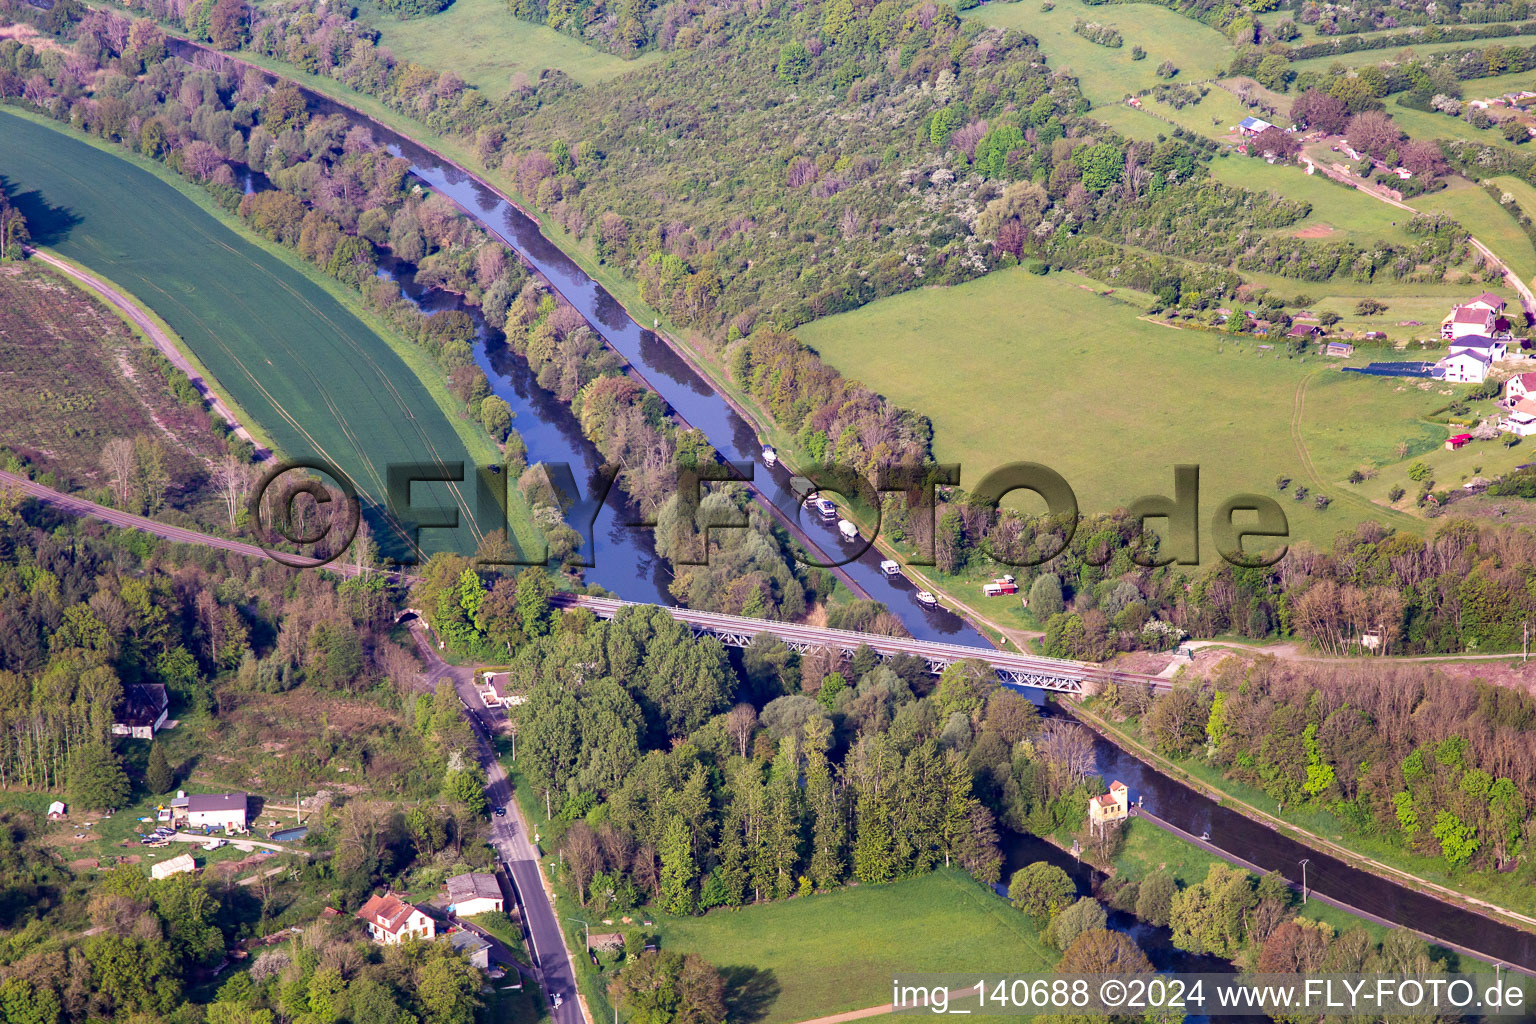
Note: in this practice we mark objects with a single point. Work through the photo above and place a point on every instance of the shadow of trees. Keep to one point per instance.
(749, 993)
(47, 224)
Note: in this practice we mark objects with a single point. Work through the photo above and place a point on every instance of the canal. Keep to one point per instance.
(629, 567)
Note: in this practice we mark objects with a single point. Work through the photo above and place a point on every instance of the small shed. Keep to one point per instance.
(1343, 349)
(474, 948)
(56, 810)
(178, 865)
(608, 942)
(1458, 441)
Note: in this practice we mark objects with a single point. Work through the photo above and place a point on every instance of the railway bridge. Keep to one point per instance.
(1013, 669)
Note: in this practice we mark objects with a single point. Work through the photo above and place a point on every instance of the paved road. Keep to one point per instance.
(510, 838)
(161, 340)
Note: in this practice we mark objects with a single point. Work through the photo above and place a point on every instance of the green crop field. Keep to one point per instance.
(1057, 374)
(1106, 74)
(319, 380)
(838, 951)
(484, 44)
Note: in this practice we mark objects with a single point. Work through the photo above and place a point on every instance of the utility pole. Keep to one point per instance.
(1304, 881)
(298, 809)
(588, 927)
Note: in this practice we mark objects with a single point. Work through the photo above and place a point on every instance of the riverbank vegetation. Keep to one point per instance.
(1426, 772)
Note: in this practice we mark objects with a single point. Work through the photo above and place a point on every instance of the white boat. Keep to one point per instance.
(826, 509)
(847, 529)
(770, 457)
(890, 568)
(927, 599)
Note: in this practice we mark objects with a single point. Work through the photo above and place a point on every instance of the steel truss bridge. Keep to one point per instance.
(1013, 669)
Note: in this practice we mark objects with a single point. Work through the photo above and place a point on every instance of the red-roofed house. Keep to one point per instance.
(1467, 320)
(1488, 301)
(392, 919)
(1518, 386)
(1111, 807)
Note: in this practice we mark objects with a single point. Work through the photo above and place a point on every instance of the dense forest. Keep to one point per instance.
(685, 782)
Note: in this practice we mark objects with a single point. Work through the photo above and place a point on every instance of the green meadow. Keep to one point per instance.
(832, 952)
(1056, 373)
(485, 45)
(282, 340)
(1106, 74)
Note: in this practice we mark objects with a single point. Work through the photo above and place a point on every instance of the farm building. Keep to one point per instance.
(1252, 126)
(392, 919)
(1303, 332)
(473, 893)
(141, 712)
(1339, 348)
(180, 864)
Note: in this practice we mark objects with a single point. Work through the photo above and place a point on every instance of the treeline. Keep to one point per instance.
(1438, 765)
(13, 228)
(1254, 923)
(675, 780)
(1413, 37)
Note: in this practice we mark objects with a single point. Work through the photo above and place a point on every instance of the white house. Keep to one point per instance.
(1494, 348)
(473, 893)
(391, 919)
(1488, 301)
(1465, 367)
(1521, 420)
(492, 688)
(216, 810)
(1466, 321)
(1518, 387)
(180, 864)
(141, 712)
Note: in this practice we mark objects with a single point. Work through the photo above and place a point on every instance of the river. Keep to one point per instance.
(630, 569)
